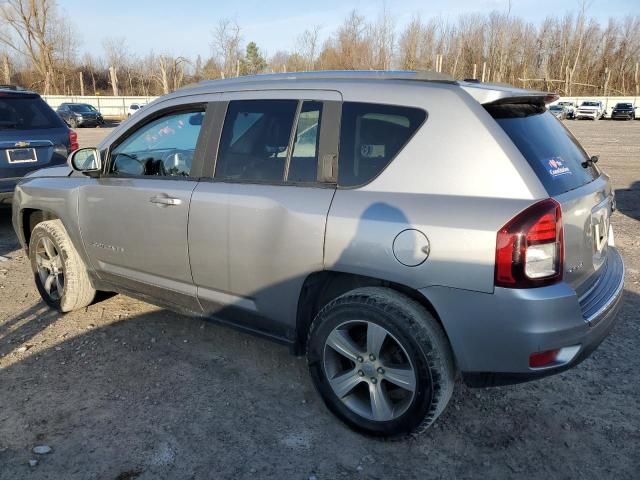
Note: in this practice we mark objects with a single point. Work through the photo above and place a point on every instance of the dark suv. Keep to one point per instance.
(80, 115)
(32, 136)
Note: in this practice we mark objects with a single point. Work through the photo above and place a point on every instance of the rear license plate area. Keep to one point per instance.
(22, 155)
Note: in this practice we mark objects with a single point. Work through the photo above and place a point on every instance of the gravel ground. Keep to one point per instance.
(125, 390)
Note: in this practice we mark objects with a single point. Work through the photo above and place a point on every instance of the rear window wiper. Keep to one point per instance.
(591, 162)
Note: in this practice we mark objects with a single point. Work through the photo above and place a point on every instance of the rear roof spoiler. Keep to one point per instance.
(497, 94)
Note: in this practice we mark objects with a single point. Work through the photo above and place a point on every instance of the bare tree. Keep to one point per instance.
(116, 55)
(29, 31)
(226, 46)
(309, 46)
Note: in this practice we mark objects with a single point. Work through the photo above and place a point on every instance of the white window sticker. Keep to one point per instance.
(556, 167)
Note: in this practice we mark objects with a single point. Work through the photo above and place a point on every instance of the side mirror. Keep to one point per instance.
(86, 161)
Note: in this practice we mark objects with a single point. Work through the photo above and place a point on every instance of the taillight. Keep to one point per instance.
(530, 247)
(73, 141)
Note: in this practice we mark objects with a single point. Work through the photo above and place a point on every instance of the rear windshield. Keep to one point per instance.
(553, 153)
(27, 113)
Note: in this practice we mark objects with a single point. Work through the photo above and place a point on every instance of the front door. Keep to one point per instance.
(134, 218)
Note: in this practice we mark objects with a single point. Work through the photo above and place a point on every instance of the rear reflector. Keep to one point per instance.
(543, 359)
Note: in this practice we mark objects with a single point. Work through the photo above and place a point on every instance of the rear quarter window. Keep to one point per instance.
(551, 150)
(371, 135)
(27, 113)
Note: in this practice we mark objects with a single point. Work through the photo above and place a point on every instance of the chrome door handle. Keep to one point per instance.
(168, 201)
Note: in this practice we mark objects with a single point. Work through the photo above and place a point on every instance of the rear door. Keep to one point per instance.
(32, 136)
(564, 169)
(271, 173)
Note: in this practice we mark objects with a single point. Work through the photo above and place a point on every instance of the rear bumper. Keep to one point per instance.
(493, 335)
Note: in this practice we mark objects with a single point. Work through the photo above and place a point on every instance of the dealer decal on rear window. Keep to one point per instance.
(556, 167)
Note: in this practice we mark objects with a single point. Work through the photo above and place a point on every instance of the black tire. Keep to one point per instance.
(423, 340)
(77, 291)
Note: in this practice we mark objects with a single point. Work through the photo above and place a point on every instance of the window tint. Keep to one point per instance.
(371, 135)
(27, 113)
(164, 147)
(553, 153)
(304, 160)
(255, 140)
(80, 108)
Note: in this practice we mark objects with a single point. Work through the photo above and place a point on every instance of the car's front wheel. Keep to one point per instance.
(60, 274)
(381, 362)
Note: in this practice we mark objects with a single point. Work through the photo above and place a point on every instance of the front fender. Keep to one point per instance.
(56, 197)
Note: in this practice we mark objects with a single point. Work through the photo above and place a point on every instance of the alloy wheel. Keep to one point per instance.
(50, 268)
(369, 370)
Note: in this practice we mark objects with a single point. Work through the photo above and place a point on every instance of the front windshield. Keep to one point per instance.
(589, 104)
(80, 108)
(623, 105)
(556, 107)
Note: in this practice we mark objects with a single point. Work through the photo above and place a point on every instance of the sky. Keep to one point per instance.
(184, 27)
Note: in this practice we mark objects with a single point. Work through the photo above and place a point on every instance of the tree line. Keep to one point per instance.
(573, 54)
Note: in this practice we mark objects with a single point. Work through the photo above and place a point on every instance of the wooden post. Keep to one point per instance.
(6, 68)
(635, 80)
(114, 80)
(238, 68)
(484, 68)
(475, 71)
(81, 84)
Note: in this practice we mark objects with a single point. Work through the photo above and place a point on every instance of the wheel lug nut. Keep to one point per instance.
(374, 380)
(380, 370)
(361, 373)
(372, 357)
(360, 359)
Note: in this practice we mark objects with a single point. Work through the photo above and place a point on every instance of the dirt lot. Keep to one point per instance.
(126, 390)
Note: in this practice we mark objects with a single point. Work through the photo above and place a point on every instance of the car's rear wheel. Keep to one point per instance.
(60, 275)
(381, 362)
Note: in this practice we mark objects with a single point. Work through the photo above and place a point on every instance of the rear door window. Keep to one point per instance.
(554, 154)
(27, 112)
(254, 145)
(371, 135)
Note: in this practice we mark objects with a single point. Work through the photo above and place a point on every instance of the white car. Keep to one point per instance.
(593, 109)
(134, 107)
(570, 107)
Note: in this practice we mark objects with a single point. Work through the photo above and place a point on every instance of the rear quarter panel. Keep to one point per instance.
(459, 180)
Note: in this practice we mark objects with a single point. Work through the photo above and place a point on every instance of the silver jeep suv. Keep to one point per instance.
(400, 228)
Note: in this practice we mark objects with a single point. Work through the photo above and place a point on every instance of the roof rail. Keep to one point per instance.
(426, 76)
(4, 86)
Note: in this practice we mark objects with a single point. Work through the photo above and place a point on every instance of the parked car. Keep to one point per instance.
(570, 107)
(558, 111)
(593, 109)
(623, 110)
(32, 136)
(134, 108)
(80, 115)
(350, 216)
